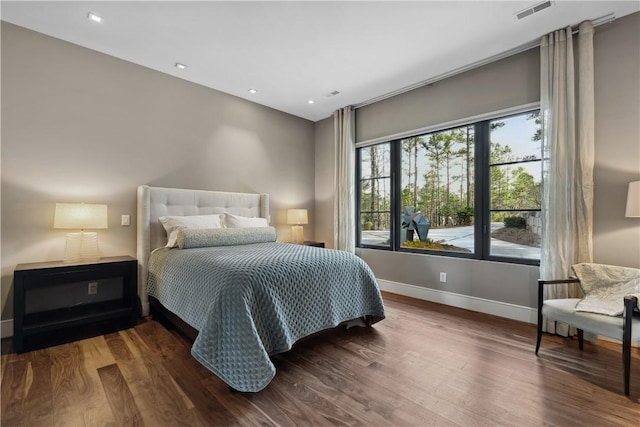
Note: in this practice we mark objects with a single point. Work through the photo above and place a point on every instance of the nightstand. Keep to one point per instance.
(312, 243)
(57, 302)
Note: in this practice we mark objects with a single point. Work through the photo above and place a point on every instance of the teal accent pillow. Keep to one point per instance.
(210, 237)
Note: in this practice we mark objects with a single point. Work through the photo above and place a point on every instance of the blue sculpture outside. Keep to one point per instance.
(415, 221)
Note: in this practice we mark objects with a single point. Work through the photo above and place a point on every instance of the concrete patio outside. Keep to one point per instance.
(462, 237)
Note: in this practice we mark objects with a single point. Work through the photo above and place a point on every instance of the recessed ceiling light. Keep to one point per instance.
(93, 17)
(311, 101)
(253, 91)
(181, 66)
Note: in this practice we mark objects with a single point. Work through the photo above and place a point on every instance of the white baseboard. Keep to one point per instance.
(6, 328)
(497, 308)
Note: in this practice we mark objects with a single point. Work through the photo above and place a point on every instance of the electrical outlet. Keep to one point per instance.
(92, 288)
(443, 277)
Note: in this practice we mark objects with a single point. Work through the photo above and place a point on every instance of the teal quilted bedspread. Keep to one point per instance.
(255, 300)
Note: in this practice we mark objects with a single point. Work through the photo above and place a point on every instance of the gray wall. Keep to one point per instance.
(616, 239)
(78, 125)
(511, 82)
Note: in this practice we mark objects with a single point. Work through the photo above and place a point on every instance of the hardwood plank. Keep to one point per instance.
(210, 408)
(344, 372)
(67, 385)
(13, 393)
(241, 405)
(277, 404)
(4, 359)
(118, 348)
(97, 351)
(143, 383)
(315, 397)
(425, 364)
(418, 395)
(187, 374)
(156, 391)
(39, 398)
(95, 354)
(119, 396)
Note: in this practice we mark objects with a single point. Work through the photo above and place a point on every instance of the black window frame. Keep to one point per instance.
(482, 194)
(394, 164)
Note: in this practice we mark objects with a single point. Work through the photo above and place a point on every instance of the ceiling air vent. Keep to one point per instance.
(330, 94)
(532, 9)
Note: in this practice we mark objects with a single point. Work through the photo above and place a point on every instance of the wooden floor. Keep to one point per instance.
(425, 364)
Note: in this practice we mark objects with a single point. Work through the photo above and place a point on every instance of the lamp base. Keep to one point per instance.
(297, 234)
(82, 246)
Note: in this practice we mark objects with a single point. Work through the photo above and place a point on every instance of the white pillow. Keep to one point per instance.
(173, 224)
(237, 221)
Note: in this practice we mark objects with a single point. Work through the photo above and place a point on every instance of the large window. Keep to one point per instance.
(515, 176)
(470, 191)
(375, 194)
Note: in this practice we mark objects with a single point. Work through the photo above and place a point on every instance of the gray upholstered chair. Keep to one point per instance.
(625, 328)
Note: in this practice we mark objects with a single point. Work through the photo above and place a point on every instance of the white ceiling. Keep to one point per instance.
(292, 52)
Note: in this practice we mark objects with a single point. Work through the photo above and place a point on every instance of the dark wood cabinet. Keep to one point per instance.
(57, 302)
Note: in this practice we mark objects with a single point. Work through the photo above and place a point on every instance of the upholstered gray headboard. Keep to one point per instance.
(154, 202)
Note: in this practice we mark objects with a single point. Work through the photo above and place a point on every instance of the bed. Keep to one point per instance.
(242, 303)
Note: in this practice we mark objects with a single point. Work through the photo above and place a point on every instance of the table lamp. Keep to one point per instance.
(296, 218)
(83, 245)
(633, 200)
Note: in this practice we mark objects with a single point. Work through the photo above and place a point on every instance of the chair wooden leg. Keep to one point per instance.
(581, 339)
(629, 306)
(626, 362)
(539, 339)
(539, 334)
(540, 303)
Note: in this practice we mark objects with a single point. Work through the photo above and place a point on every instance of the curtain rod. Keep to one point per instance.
(605, 19)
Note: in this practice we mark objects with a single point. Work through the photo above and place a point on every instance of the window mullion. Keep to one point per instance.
(396, 193)
(358, 198)
(482, 190)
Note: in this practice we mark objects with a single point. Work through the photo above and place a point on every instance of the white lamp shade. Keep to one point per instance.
(633, 200)
(297, 217)
(80, 216)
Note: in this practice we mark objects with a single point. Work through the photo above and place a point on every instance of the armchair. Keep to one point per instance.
(625, 327)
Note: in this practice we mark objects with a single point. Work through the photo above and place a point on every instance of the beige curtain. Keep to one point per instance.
(567, 110)
(344, 234)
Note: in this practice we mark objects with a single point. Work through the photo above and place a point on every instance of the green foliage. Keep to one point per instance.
(367, 225)
(538, 121)
(430, 244)
(464, 216)
(515, 222)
